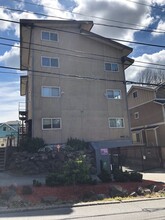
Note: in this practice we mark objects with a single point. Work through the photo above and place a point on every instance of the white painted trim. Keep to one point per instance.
(50, 129)
(106, 94)
(53, 32)
(116, 118)
(140, 104)
(50, 65)
(56, 87)
(111, 70)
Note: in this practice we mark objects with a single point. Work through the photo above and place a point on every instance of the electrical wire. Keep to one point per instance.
(55, 74)
(100, 24)
(87, 57)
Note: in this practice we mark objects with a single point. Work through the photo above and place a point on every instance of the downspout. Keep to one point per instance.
(126, 100)
(31, 47)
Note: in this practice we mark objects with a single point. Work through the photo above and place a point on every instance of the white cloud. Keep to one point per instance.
(133, 72)
(160, 29)
(5, 15)
(110, 11)
(12, 57)
(10, 97)
(54, 9)
(159, 2)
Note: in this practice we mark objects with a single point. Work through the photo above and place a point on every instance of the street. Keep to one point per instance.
(143, 210)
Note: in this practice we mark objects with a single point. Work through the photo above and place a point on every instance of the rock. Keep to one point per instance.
(117, 191)
(140, 191)
(49, 199)
(153, 188)
(101, 196)
(133, 194)
(147, 191)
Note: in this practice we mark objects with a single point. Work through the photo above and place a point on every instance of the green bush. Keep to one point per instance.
(136, 177)
(31, 145)
(74, 171)
(126, 176)
(55, 179)
(76, 144)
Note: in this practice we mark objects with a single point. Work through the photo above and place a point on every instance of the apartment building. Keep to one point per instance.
(75, 83)
(147, 114)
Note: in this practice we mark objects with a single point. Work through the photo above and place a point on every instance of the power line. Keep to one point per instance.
(100, 24)
(85, 77)
(80, 56)
(115, 39)
(91, 16)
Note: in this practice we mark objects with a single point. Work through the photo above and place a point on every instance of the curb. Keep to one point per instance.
(69, 205)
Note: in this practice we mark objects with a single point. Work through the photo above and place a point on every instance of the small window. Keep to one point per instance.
(136, 115)
(4, 129)
(113, 94)
(48, 91)
(116, 122)
(50, 36)
(51, 123)
(50, 62)
(111, 67)
(135, 94)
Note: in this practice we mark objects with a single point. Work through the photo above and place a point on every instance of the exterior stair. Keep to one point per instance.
(2, 158)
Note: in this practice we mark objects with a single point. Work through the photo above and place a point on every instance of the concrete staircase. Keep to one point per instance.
(2, 158)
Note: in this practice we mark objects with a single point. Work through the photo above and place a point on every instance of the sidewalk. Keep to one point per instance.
(155, 175)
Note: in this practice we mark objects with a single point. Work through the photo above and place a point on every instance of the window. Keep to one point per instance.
(116, 122)
(50, 36)
(51, 123)
(50, 62)
(136, 115)
(48, 91)
(4, 129)
(111, 67)
(135, 94)
(113, 94)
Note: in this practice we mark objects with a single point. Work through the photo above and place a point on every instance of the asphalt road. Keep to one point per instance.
(139, 210)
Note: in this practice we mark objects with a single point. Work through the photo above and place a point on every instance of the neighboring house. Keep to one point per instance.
(9, 133)
(75, 86)
(147, 114)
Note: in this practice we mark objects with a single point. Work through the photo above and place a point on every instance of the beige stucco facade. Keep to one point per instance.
(82, 105)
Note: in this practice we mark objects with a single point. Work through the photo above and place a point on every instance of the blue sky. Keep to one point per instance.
(131, 16)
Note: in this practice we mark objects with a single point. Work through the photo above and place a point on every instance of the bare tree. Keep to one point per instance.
(151, 76)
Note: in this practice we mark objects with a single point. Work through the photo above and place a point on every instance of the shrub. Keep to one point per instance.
(126, 176)
(37, 183)
(136, 177)
(77, 171)
(31, 145)
(55, 179)
(76, 144)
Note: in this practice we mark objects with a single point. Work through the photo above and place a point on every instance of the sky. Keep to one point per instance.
(139, 24)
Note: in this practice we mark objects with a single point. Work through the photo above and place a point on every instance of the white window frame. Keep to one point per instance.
(113, 90)
(50, 58)
(49, 38)
(136, 115)
(111, 69)
(51, 87)
(51, 128)
(116, 118)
